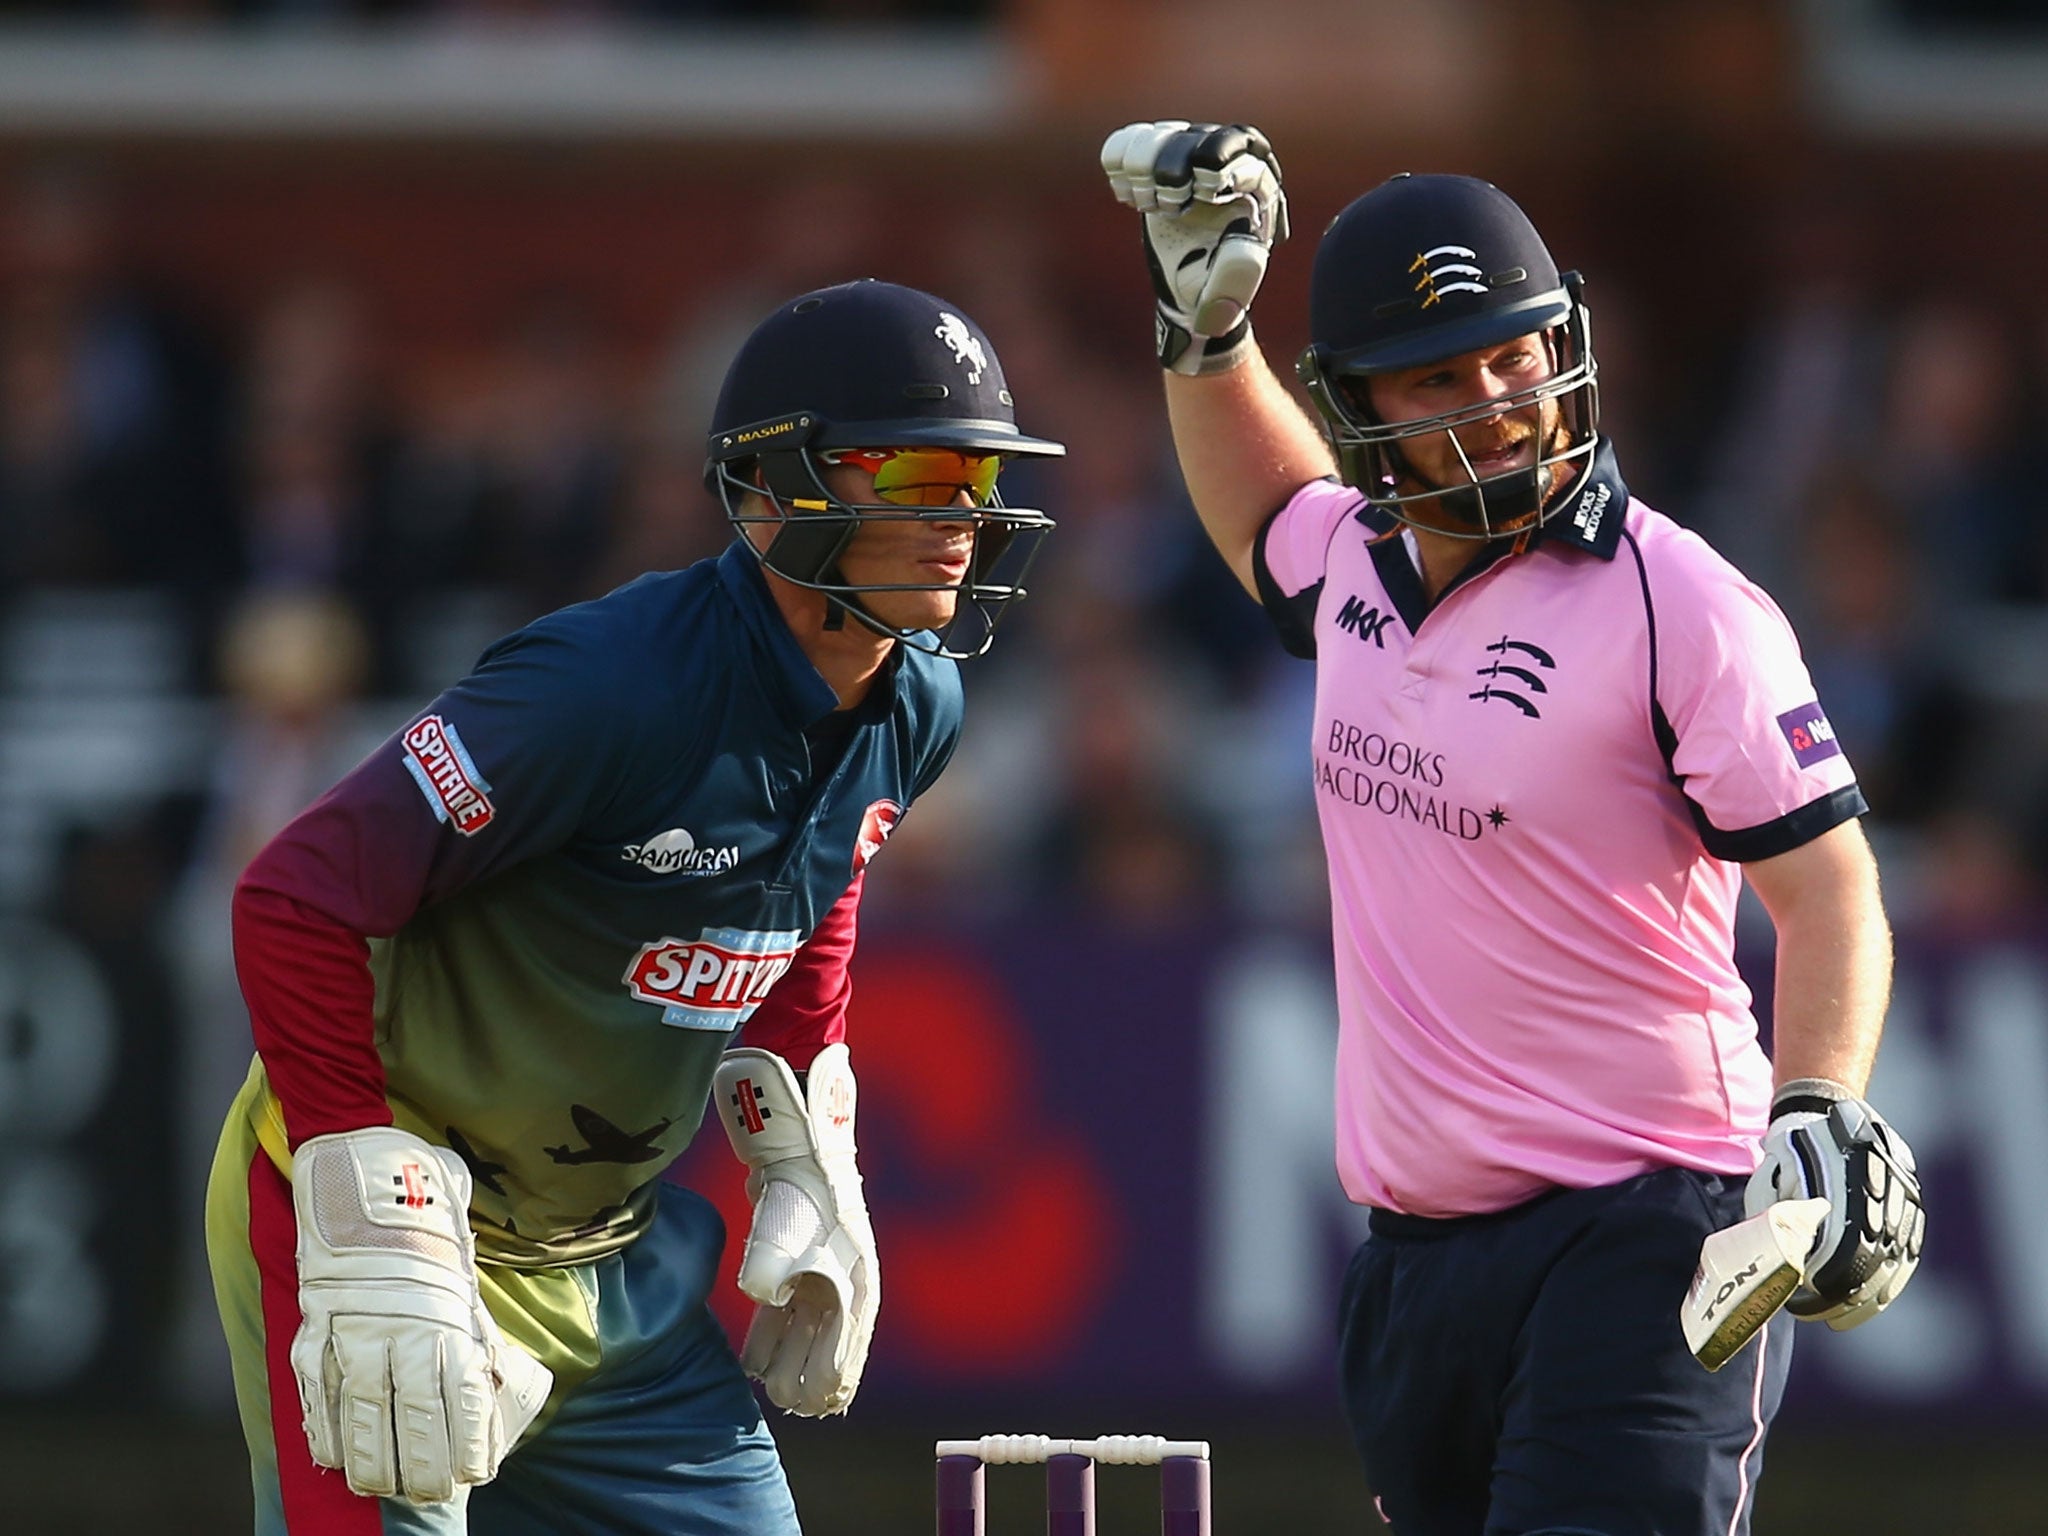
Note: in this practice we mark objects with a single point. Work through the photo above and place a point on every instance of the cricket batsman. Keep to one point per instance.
(610, 877)
(1554, 733)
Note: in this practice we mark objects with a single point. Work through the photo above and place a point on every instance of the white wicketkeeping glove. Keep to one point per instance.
(810, 1255)
(1825, 1142)
(406, 1384)
(1213, 212)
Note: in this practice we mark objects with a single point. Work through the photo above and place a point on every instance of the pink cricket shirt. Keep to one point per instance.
(1535, 798)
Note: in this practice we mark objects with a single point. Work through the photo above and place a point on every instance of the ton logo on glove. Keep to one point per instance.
(1835, 1173)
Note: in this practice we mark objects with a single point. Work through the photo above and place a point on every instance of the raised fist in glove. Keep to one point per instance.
(810, 1255)
(1213, 211)
(407, 1386)
(1825, 1142)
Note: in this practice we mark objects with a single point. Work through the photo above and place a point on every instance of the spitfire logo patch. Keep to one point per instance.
(1808, 733)
(1446, 269)
(441, 766)
(964, 344)
(714, 982)
(875, 827)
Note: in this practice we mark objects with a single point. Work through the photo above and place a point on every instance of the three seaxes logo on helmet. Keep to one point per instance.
(1459, 264)
(1442, 262)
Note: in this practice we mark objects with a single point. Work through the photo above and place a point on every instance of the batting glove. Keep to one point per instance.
(1825, 1142)
(406, 1384)
(1213, 212)
(810, 1255)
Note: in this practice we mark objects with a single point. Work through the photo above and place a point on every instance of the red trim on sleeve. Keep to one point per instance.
(306, 979)
(807, 1009)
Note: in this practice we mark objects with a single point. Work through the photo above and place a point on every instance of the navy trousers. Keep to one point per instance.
(1524, 1372)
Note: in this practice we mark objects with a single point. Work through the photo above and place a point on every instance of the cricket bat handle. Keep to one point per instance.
(1746, 1273)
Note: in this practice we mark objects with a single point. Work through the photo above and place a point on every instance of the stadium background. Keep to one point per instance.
(337, 337)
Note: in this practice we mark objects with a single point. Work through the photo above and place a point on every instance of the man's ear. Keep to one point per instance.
(756, 517)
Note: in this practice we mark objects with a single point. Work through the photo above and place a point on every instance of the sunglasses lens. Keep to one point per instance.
(932, 477)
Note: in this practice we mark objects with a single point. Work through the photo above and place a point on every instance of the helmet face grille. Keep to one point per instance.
(877, 366)
(810, 529)
(1421, 270)
(1371, 458)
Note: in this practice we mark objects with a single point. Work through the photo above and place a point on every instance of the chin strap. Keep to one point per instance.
(839, 609)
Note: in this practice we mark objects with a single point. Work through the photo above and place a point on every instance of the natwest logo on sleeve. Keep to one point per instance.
(1809, 735)
(441, 766)
(714, 982)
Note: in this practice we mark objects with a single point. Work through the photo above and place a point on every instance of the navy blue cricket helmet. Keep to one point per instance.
(1421, 269)
(871, 365)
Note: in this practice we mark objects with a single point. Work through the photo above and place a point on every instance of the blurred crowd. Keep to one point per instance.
(1876, 462)
(263, 520)
(317, 533)
(266, 517)
(487, 12)
(237, 550)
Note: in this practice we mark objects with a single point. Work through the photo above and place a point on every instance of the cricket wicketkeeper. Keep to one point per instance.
(499, 971)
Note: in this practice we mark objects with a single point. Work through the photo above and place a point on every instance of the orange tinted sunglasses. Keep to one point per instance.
(924, 477)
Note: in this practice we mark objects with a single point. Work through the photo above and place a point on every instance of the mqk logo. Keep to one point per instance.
(1366, 623)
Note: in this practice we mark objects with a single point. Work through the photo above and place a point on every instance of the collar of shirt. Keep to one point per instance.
(799, 689)
(1591, 509)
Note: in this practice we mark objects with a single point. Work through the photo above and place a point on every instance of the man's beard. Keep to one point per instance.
(1508, 503)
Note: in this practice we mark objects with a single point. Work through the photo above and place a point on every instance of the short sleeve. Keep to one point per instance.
(1749, 741)
(1291, 554)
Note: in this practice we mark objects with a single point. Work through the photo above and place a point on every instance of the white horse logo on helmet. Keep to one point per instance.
(966, 346)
